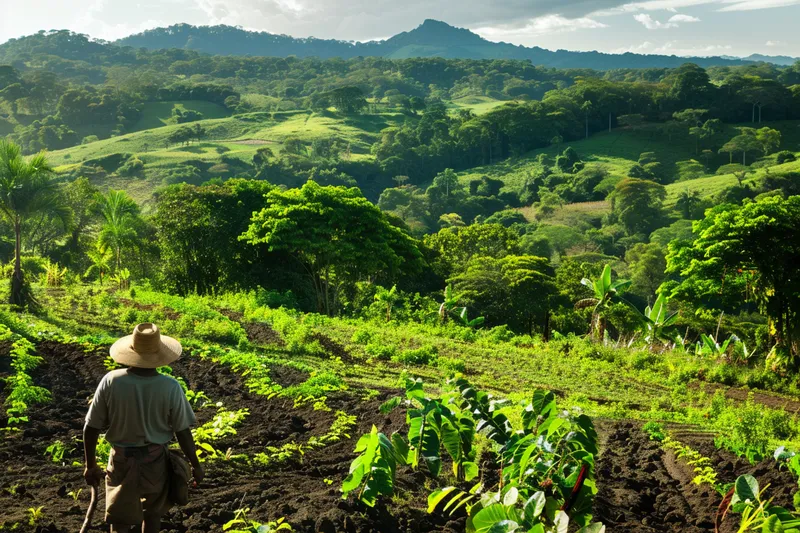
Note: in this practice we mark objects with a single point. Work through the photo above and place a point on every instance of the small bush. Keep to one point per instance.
(655, 430)
(384, 352)
(724, 374)
(362, 336)
(220, 330)
(785, 157)
(424, 355)
(450, 364)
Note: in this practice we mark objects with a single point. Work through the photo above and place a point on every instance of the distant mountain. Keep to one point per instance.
(431, 39)
(778, 60)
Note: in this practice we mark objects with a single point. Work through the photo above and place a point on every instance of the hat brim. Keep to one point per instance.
(168, 352)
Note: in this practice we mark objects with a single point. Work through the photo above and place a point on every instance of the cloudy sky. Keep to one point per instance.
(680, 27)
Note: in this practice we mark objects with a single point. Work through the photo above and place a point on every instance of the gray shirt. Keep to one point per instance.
(139, 410)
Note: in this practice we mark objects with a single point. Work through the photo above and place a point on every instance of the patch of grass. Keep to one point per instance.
(158, 114)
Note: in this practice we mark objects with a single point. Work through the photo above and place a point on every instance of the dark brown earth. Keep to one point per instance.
(296, 490)
(642, 488)
(259, 333)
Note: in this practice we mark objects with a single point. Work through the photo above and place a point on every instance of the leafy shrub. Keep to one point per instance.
(381, 351)
(500, 334)
(723, 373)
(362, 336)
(132, 167)
(785, 157)
(220, 330)
(424, 355)
(451, 364)
(655, 430)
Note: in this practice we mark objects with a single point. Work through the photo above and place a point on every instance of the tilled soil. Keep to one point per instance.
(645, 489)
(305, 492)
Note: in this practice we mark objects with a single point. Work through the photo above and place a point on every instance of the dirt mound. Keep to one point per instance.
(333, 348)
(259, 333)
(645, 489)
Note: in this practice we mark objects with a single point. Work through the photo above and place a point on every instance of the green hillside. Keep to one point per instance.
(157, 114)
(617, 151)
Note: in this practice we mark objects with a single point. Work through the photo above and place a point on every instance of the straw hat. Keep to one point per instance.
(146, 348)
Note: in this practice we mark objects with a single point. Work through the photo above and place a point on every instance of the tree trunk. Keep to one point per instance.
(609, 122)
(17, 281)
(587, 125)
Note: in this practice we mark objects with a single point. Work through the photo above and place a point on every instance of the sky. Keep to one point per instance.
(679, 27)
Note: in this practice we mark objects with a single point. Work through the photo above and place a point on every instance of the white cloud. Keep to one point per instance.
(675, 19)
(547, 24)
(751, 5)
(652, 24)
(673, 5)
(775, 43)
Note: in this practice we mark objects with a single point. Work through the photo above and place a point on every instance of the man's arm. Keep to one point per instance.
(186, 442)
(92, 473)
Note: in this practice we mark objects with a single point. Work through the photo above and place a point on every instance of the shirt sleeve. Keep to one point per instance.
(97, 417)
(181, 415)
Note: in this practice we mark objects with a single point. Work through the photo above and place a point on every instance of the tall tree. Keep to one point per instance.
(638, 204)
(336, 234)
(26, 189)
(755, 249)
(119, 213)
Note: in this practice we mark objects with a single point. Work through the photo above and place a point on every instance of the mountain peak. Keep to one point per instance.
(434, 32)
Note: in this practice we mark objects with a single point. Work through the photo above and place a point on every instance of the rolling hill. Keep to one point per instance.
(431, 39)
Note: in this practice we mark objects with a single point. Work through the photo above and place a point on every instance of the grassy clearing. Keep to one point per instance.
(477, 104)
(158, 114)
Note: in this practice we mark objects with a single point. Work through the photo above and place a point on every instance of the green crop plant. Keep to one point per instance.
(701, 465)
(57, 451)
(655, 431)
(758, 513)
(606, 294)
(75, 494)
(372, 473)
(222, 425)
(709, 347)
(548, 467)
(658, 321)
(35, 514)
(241, 523)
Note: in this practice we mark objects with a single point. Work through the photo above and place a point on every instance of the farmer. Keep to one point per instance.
(140, 410)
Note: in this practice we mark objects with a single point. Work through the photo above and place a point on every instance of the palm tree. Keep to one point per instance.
(100, 258)
(606, 293)
(119, 213)
(26, 189)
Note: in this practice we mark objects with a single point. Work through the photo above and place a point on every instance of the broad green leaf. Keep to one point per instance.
(535, 505)
(746, 489)
(436, 497)
(511, 496)
(506, 526)
(470, 470)
(485, 519)
(561, 522)
(593, 528)
(401, 449)
(772, 525)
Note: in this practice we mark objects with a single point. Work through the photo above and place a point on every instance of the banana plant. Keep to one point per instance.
(465, 321)
(387, 297)
(606, 294)
(450, 303)
(708, 346)
(658, 320)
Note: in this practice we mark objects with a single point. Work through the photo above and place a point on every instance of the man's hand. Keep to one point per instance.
(93, 475)
(198, 473)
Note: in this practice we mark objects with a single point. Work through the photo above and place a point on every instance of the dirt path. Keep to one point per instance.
(645, 489)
